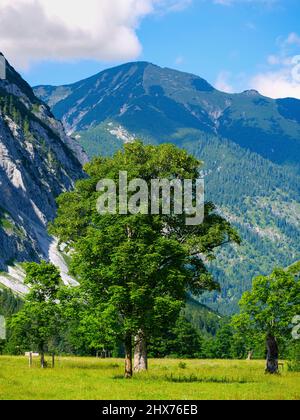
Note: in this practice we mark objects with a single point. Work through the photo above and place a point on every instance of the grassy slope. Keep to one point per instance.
(102, 379)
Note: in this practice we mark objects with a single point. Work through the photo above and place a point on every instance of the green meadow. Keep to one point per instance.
(102, 379)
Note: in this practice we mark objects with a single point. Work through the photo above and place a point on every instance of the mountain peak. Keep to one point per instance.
(251, 92)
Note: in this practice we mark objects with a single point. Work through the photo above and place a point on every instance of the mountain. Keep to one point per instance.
(250, 146)
(37, 162)
(154, 102)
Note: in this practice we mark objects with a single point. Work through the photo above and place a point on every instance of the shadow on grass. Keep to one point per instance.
(189, 379)
(93, 366)
(212, 379)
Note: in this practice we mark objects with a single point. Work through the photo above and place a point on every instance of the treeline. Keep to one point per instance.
(195, 334)
(204, 336)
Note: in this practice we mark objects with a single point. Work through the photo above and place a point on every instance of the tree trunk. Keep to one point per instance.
(30, 359)
(42, 360)
(272, 355)
(250, 355)
(140, 353)
(53, 360)
(128, 357)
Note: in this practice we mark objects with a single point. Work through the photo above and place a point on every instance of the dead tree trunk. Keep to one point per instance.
(272, 355)
(140, 353)
(128, 357)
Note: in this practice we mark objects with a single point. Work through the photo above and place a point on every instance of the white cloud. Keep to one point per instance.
(222, 83)
(277, 85)
(279, 77)
(33, 30)
(282, 77)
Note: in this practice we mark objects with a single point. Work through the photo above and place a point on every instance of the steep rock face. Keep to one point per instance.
(37, 162)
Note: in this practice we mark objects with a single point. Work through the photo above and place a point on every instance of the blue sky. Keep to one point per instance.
(234, 44)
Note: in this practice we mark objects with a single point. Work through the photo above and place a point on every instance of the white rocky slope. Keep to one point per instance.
(38, 161)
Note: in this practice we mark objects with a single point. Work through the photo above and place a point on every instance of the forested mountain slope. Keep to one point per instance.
(250, 146)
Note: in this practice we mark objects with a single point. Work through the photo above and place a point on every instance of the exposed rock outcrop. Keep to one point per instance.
(38, 161)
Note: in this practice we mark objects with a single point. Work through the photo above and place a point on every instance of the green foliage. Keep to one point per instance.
(269, 308)
(83, 325)
(202, 318)
(81, 330)
(182, 365)
(294, 356)
(136, 269)
(34, 327)
(221, 346)
(180, 341)
(8, 224)
(9, 303)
